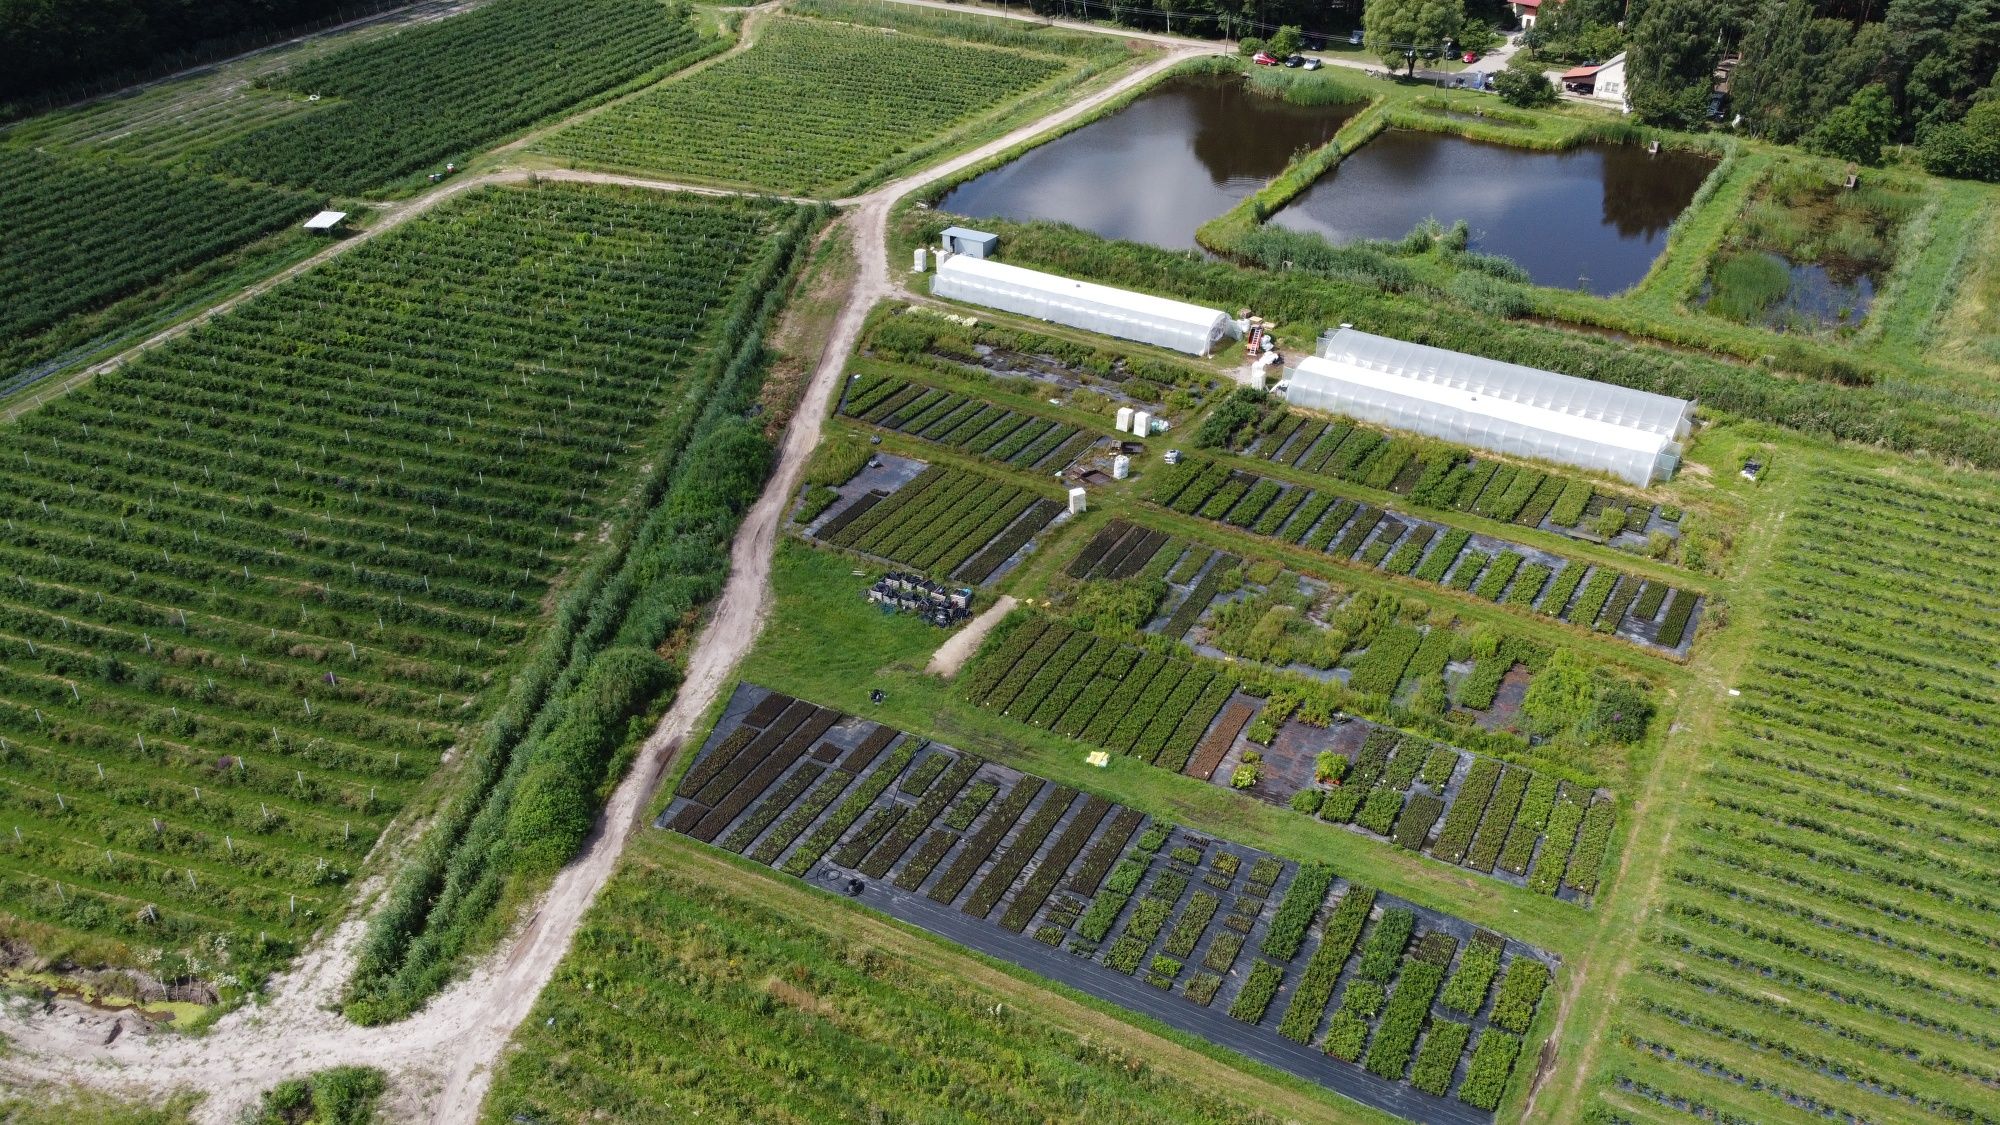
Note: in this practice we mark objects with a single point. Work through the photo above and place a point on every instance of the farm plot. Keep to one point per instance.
(1823, 947)
(1361, 992)
(792, 986)
(1123, 550)
(1450, 478)
(83, 231)
(1044, 673)
(1019, 438)
(436, 91)
(1493, 570)
(812, 107)
(944, 521)
(259, 581)
(1528, 829)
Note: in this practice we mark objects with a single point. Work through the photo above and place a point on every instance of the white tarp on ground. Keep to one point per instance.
(1081, 304)
(1504, 407)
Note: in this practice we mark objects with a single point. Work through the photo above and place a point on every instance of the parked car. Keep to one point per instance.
(1354, 37)
(1314, 64)
(1295, 61)
(1471, 56)
(1264, 58)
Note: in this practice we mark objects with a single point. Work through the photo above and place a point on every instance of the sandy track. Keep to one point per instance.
(954, 652)
(441, 1059)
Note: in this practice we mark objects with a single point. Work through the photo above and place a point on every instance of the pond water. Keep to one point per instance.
(1157, 169)
(1593, 217)
(1798, 295)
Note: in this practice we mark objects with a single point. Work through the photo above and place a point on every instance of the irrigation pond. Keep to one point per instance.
(1159, 168)
(1593, 217)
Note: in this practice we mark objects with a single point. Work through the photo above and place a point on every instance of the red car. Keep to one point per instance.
(1472, 56)
(1264, 58)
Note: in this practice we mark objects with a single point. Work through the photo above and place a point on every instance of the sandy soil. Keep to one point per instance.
(954, 652)
(441, 1060)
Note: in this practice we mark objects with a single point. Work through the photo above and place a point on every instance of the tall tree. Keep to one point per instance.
(1858, 130)
(1392, 27)
(1670, 62)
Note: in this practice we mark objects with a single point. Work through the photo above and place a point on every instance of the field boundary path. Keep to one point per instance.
(442, 1059)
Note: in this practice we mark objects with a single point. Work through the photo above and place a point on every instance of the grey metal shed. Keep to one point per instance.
(975, 243)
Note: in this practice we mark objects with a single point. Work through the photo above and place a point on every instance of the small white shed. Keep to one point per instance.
(963, 240)
(1082, 304)
(326, 221)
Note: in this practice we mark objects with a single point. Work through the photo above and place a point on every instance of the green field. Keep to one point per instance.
(442, 90)
(695, 988)
(814, 107)
(1824, 927)
(264, 579)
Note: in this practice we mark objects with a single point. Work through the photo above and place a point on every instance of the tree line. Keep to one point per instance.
(50, 45)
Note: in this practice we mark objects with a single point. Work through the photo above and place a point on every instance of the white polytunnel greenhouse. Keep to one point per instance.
(1081, 304)
(1504, 407)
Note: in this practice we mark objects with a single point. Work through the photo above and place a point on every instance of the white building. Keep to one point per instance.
(1081, 304)
(1502, 407)
(1604, 83)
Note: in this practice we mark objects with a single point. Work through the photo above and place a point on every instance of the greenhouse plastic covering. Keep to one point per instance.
(1503, 407)
(1081, 304)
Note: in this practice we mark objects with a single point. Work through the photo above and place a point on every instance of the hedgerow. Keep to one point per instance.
(1193, 921)
(1295, 914)
(1315, 986)
(1673, 628)
(1588, 860)
(1255, 995)
(1500, 811)
(1462, 819)
(1006, 869)
(1486, 1075)
(1403, 1019)
(1520, 993)
(1559, 838)
(1438, 1059)
(1384, 947)
(1378, 812)
(1477, 963)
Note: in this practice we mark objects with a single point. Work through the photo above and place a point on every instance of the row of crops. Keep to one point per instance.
(813, 107)
(1098, 689)
(945, 521)
(1440, 477)
(1392, 998)
(1548, 834)
(1647, 611)
(1533, 829)
(1823, 945)
(397, 104)
(259, 581)
(85, 230)
(995, 433)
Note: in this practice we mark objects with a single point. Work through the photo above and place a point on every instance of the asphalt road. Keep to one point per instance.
(1261, 1043)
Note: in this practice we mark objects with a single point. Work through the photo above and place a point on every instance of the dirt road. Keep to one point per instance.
(441, 1060)
(953, 653)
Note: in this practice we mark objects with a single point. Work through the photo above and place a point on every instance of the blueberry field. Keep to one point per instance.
(1822, 946)
(261, 582)
(1585, 594)
(814, 107)
(142, 224)
(952, 522)
(1342, 985)
(1018, 438)
(1185, 715)
(432, 93)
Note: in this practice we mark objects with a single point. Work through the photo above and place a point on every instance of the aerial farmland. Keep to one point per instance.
(855, 560)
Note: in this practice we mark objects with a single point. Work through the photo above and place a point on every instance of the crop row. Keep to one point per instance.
(1377, 538)
(813, 106)
(1010, 437)
(416, 98)
(1145, 904)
